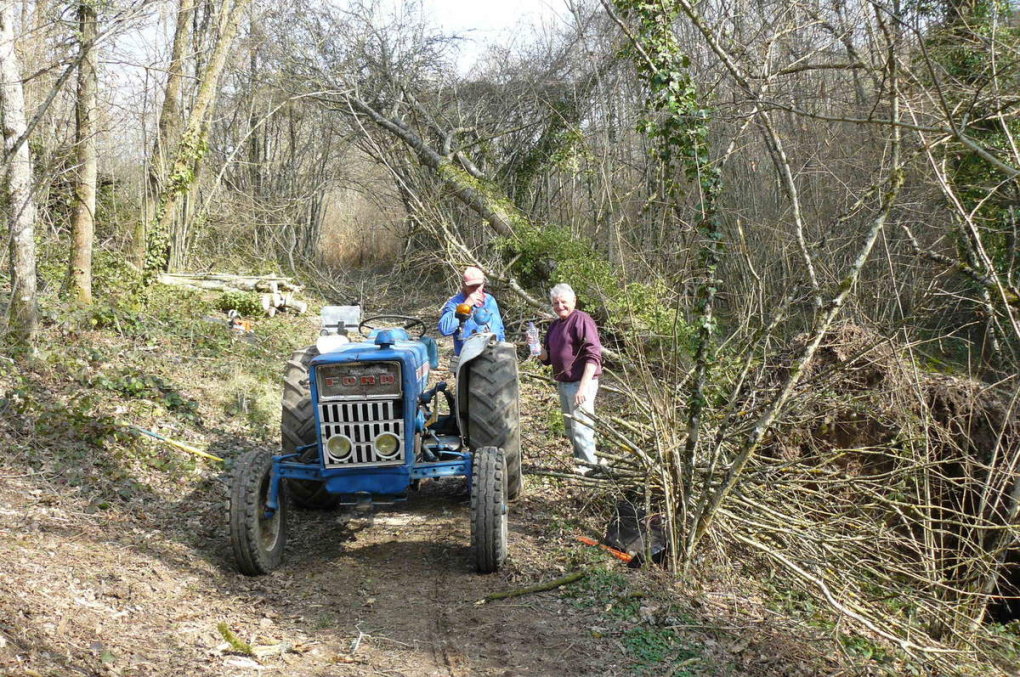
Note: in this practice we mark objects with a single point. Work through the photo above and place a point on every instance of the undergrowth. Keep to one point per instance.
(652, 645)
(157, 357)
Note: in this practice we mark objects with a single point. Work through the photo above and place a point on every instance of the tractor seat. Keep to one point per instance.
(432, 350)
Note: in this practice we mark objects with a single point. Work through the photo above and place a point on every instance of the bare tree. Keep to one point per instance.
(23, 312)
(192, 145)
(79, 274)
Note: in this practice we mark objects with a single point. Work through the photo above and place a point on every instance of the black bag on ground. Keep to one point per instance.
(637, 534)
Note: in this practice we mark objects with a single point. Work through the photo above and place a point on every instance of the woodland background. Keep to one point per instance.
(795, 221)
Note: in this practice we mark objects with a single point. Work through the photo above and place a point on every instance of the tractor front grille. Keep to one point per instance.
(361, 421)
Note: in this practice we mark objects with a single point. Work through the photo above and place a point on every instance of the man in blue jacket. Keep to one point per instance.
(472, 292)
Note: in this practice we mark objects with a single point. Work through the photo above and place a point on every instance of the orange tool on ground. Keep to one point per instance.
(618, 554)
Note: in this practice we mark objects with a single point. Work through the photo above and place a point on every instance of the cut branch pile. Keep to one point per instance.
(885, 493)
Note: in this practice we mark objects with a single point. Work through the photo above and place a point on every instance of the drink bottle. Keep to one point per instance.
(533, 345)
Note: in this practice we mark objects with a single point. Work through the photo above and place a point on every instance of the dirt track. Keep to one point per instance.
(142, 592)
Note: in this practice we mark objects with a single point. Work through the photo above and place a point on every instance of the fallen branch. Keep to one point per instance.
(571, 476)
(221, 281)
(538, 587)
(235, 642)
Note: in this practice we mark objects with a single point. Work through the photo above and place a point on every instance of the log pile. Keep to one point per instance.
(278, 293)
(227, 282)
(277, 301)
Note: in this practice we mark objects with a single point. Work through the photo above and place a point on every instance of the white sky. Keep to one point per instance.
(479, 23)
(493, 16)
(485, 22)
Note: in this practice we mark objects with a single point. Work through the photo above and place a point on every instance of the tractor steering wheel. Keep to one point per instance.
(406, 322)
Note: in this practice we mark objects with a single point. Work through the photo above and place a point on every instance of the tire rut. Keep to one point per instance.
(439, 625)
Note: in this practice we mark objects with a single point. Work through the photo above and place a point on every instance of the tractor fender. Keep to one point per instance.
(473, 347)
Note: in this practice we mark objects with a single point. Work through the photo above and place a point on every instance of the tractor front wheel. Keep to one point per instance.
(257, 539)
(488, 509)
(297, 428)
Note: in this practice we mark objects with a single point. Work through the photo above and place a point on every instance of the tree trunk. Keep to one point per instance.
(23, 313)
(168, 129)
(502, 215)
(79, 274)
(181, 230)
(192, 144)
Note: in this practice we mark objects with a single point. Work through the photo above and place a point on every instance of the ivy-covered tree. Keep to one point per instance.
(193, 143)
(972, 57)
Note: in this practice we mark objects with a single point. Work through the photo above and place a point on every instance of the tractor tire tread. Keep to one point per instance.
(493, 409)
(297, 429)
(488, 509)
(246, 504)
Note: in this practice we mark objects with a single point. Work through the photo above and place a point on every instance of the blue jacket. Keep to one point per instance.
(449, 324)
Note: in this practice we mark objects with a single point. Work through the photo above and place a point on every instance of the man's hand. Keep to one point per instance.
(475, 298)
(580, 398)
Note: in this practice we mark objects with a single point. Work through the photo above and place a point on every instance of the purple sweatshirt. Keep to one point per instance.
(570, 344)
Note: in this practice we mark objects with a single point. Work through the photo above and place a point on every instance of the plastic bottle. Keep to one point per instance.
(533, 344)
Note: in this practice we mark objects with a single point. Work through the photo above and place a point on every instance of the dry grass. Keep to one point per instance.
(358, 232)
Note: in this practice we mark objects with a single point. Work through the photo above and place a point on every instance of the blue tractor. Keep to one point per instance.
(360, 428)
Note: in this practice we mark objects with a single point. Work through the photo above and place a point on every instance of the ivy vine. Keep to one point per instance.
(677, 125)
(192, 148)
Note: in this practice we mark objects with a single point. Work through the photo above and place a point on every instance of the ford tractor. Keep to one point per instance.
(361, 428)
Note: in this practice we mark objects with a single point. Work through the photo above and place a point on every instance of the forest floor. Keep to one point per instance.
(115, 555)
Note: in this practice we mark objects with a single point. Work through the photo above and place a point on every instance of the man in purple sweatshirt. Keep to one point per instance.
(573, 348)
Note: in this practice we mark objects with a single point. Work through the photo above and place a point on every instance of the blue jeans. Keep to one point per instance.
(579, 430)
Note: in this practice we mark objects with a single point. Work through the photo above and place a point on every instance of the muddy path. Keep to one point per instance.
(143, 592)
(117, 564)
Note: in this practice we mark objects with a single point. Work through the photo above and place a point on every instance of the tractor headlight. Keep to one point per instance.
(339, 447)
(387, 445)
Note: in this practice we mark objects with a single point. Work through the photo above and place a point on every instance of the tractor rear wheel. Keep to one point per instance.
(493, 408)
(297, 428)
(488, 509)
(257, 540)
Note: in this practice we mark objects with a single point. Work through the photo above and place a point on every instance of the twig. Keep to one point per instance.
(357, 642)
(538, 587)
(235, 642)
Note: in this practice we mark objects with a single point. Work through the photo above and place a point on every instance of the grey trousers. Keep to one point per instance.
(580, 430)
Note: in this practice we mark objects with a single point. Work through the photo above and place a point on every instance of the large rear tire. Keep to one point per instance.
(257, 540)
(493, 408)
(488, 509)
(297, 429)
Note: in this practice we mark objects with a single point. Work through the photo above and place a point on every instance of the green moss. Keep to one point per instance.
(235, 642)
(495, 199)
(543, 257)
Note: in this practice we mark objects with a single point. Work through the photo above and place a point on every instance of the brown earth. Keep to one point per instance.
(143, 593)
